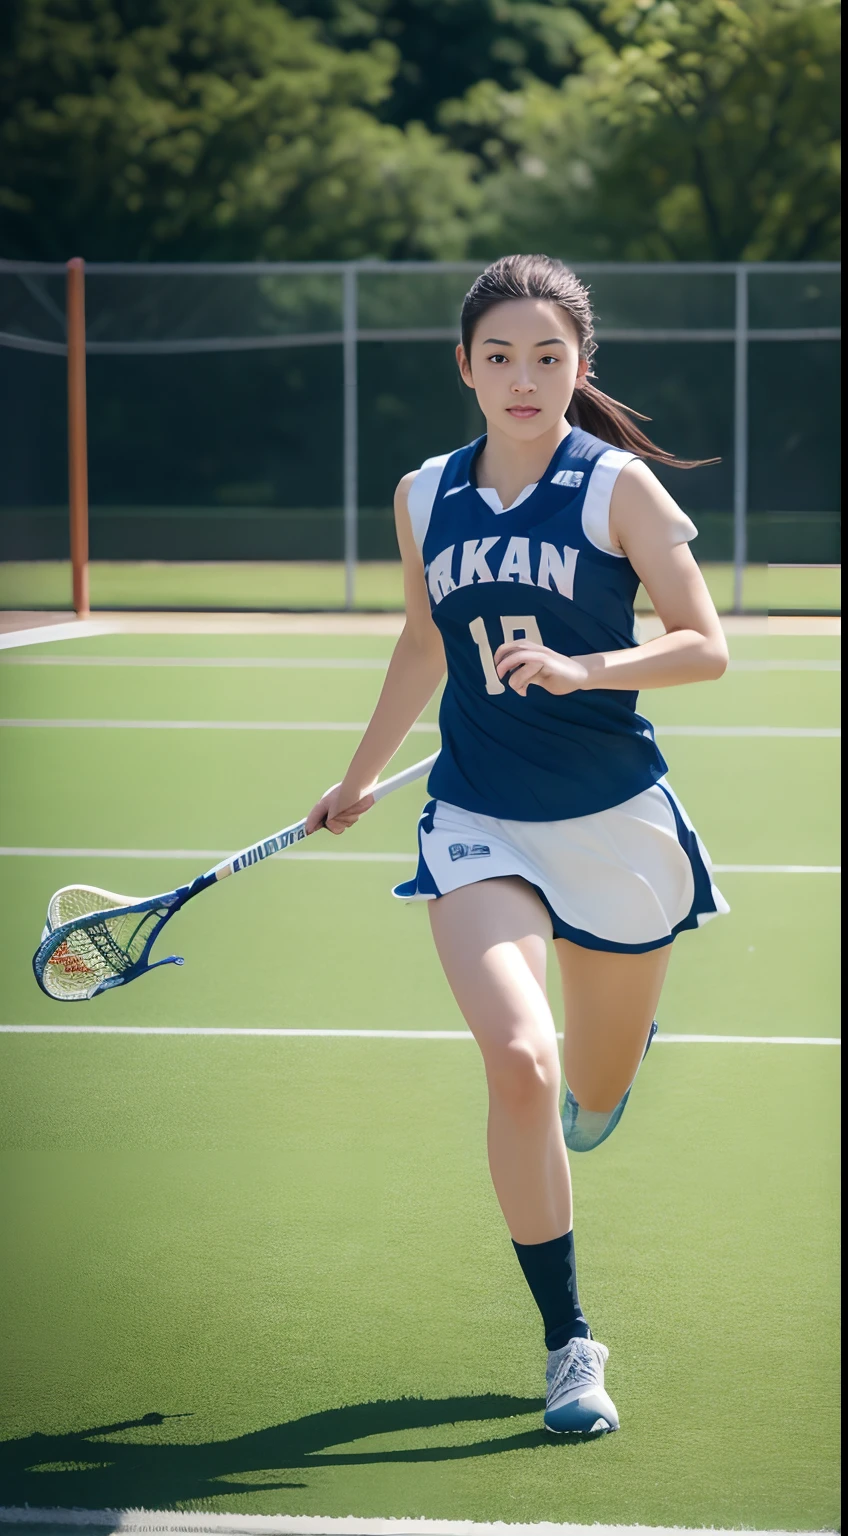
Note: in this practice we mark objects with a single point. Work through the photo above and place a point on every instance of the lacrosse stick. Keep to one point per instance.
(94, 940)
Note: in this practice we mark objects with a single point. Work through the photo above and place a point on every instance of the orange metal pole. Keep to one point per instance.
(77, 434)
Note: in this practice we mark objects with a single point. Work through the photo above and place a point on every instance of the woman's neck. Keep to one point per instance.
(508, 466)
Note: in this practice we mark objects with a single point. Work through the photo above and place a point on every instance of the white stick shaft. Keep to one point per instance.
(406, 776)
(297, 831)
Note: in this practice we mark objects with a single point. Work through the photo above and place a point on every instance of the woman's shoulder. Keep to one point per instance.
(416, 484)
(643, 511)
(424, 482)
(418, 493)
(418, 489)
(585, 445)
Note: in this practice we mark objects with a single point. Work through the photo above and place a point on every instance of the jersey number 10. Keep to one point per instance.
(510, 627)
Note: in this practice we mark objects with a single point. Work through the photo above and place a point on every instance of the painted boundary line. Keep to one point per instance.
(774, 869)
(201, 855)
(374, 1034)
(141, 1520)
(22, 723)
(339, 663)
(340, 623)
(421, 727)
(227, 624)
(288, 663)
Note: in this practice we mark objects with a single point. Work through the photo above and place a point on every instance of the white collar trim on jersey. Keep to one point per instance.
(493, 500)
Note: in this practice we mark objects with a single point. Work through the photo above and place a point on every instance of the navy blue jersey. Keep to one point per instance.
(545, 570)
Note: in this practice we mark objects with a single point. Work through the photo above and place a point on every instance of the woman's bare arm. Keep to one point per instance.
(414, 673)
(645, 521)
(648, 527)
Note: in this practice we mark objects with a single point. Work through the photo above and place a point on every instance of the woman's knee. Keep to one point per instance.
(522, 1074)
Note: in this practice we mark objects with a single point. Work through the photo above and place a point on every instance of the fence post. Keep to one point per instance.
(740, 440)
(350, 325)
(77, 433)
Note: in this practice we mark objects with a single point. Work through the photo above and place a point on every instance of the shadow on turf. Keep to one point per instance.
(89, 1469)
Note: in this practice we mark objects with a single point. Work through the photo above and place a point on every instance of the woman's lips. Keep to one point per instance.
(523, 412)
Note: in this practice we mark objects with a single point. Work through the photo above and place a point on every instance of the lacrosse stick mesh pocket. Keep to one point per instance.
(82, 954)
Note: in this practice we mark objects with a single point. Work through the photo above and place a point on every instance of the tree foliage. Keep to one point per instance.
(446, 47)
(701, 130)
(206, 129)
(200, 129)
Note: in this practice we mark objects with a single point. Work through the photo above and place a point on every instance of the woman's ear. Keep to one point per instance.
(464, 366)
(582, 371)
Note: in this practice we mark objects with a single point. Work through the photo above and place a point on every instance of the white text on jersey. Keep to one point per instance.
(554, 570)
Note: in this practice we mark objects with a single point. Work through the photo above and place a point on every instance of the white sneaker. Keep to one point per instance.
(576, 1401)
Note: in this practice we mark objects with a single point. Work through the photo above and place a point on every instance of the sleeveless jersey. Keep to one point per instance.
(542, 570)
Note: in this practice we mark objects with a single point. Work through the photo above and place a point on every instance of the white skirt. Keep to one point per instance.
(627, 879)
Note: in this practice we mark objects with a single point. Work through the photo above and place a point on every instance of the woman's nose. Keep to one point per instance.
(522, 384)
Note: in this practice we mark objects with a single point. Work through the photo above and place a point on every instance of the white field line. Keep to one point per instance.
(421, 727)
(75, 629)
(335, 663)
(374, 1034)
(294, 663)
(176, 1521)
(339, 623)
(258, 623)
(805, 732)
(201, 855)
(201, 725)
(785, 664)
(771, 869)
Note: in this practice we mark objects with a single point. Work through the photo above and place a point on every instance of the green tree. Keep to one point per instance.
(700, 130)
(222, 129)
(447, 47)
(206, 129)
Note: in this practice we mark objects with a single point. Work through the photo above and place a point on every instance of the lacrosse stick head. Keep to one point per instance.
(94, 940)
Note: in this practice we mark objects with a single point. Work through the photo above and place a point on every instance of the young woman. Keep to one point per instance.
(550, 814)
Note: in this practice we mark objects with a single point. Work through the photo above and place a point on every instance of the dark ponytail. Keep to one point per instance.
(541, 277)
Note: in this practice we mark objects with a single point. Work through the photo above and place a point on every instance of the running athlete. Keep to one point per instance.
(550, 813)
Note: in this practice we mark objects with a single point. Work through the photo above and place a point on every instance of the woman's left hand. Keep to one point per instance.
(527, 662)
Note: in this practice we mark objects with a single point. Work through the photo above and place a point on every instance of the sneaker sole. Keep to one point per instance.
(593, 1414)
(600, 1427)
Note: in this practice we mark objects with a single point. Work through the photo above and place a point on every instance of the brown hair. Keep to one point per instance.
(542, 277)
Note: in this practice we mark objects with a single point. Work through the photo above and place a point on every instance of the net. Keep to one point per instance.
(247, 424)
(82, 954)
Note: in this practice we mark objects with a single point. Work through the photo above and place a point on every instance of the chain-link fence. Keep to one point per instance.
(263, 413)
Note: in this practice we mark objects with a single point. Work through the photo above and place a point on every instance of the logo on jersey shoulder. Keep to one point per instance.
(568, 477)
(468, 851)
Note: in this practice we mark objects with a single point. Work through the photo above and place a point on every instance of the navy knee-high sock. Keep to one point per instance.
(551, 1274)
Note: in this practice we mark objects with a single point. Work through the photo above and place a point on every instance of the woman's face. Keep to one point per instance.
(525, 362)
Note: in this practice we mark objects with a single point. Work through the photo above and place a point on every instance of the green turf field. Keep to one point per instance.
(264, 1274)
(299, 584)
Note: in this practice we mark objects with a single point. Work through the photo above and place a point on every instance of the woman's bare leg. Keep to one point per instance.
(610, 1003)
(491, 938)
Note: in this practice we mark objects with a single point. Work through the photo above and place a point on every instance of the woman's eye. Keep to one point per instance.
(549, 359)
(497, 357)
